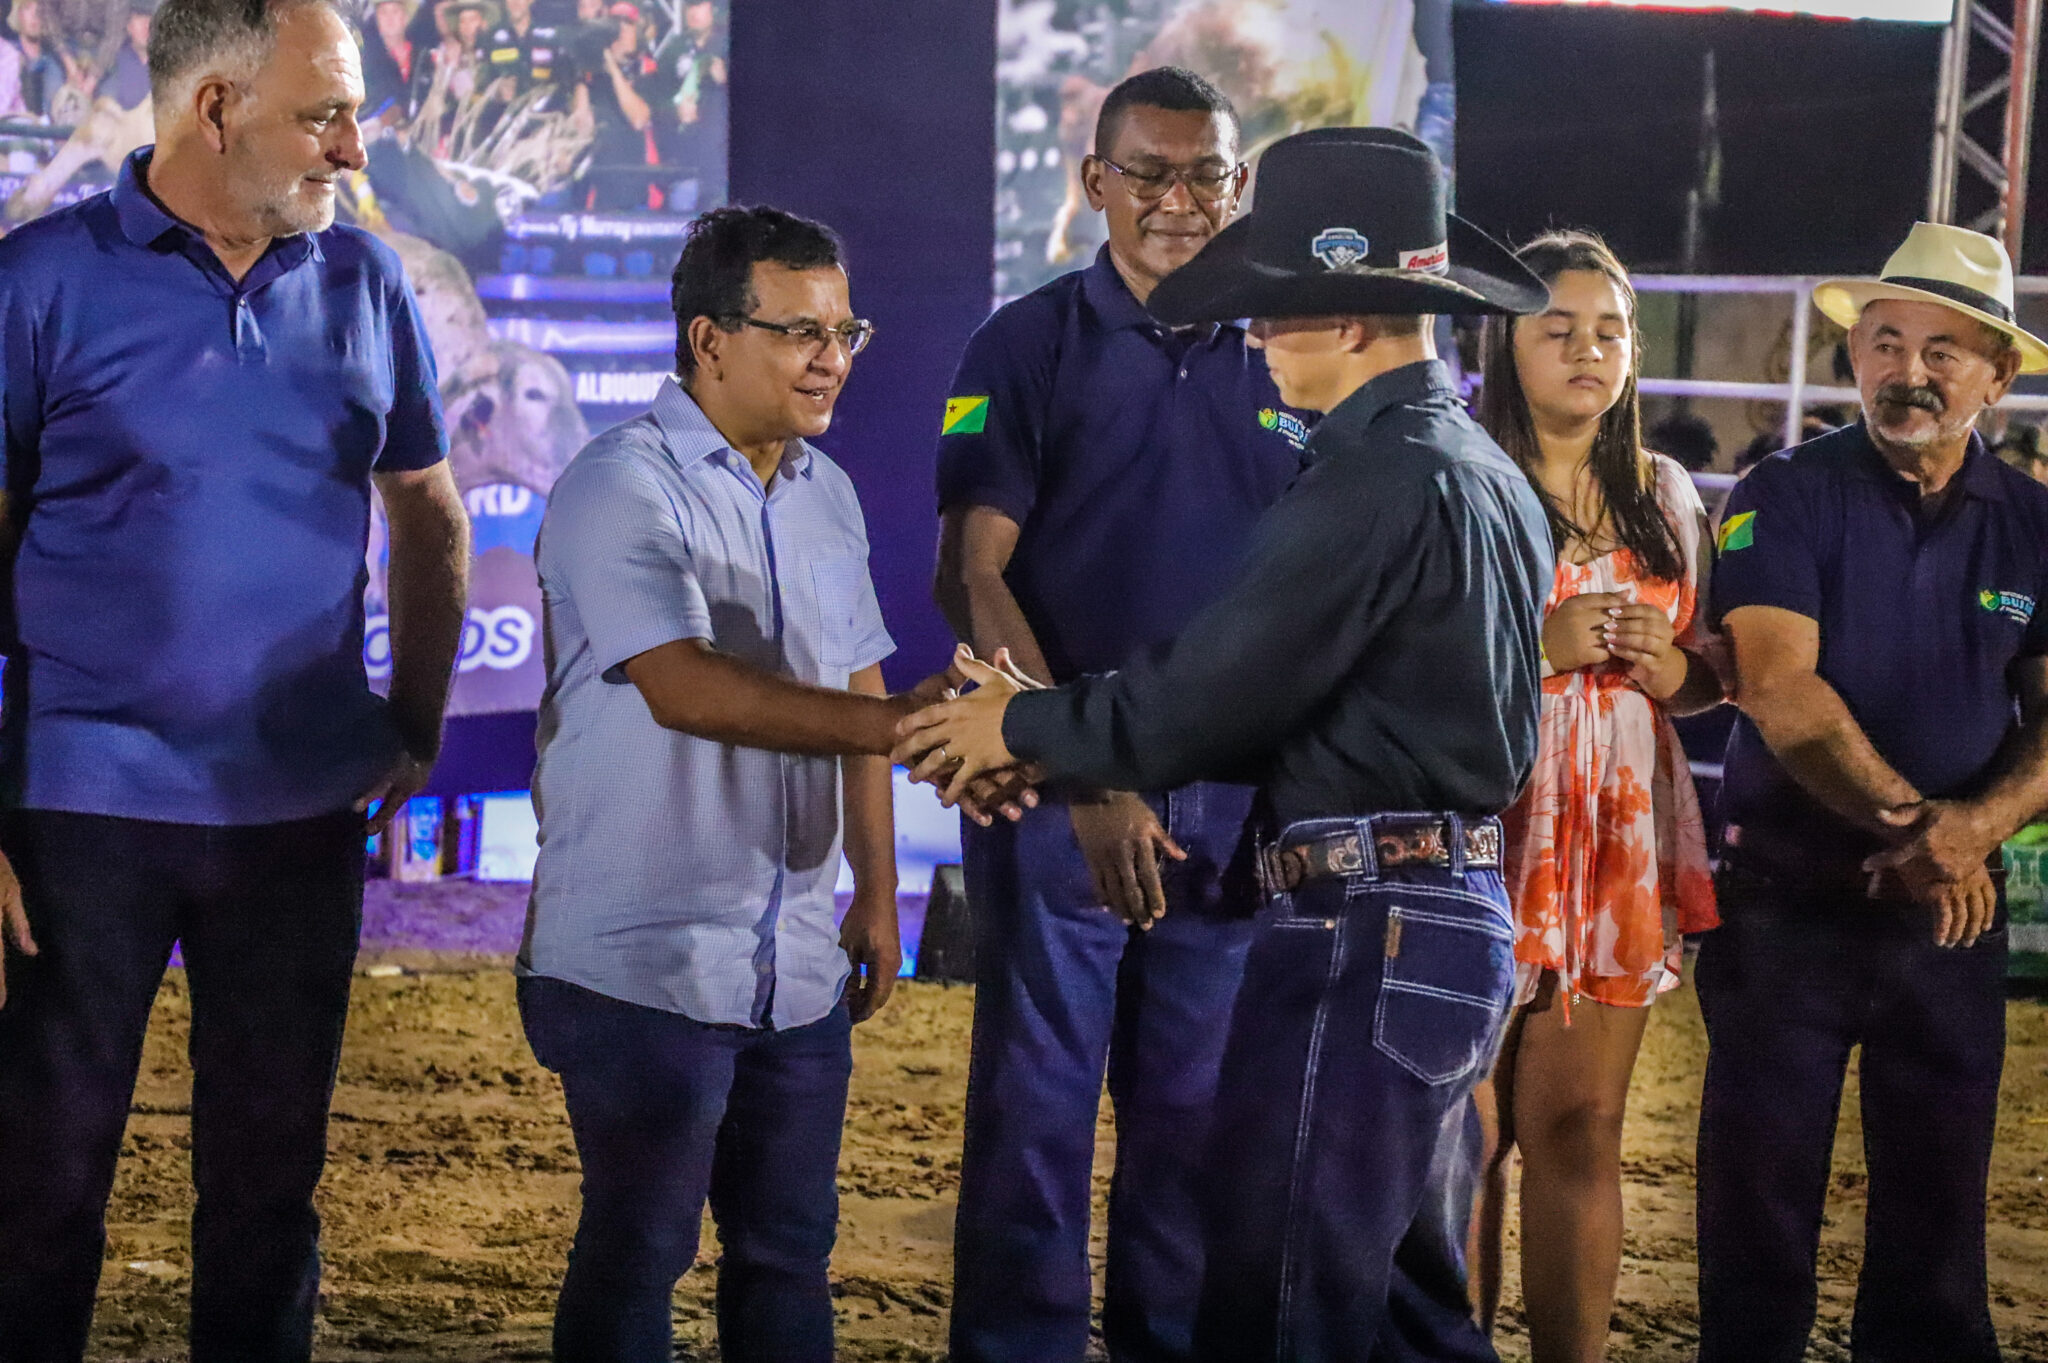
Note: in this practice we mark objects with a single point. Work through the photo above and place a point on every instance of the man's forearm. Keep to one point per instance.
(984, 614)
(1808, 727)
(870, 822)
(1701, 689)
(429, 596)
(870, 802)
(2019, 795)
(694, 689)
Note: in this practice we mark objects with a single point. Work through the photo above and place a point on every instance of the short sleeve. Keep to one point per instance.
(21, 385)
(415, 435)
(1765, 551)
(2034, 642)
(612, 547)
(869, 631)
(994, 420)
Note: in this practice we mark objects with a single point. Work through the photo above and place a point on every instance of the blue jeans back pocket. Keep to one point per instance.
(1450, 971)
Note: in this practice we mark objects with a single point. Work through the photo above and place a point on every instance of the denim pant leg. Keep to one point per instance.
(1369, 1010)
(1783, 994)
(1046, 960)
(1933, 1054)
(775, 1194)
(646, 1092)
(103, 909)
(1174, 991)
(270, 935)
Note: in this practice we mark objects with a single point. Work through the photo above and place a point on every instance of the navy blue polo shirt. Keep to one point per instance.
(1921, 618)
(1134, 458)
(188, 459)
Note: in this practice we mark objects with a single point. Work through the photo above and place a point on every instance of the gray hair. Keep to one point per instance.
(195, 37)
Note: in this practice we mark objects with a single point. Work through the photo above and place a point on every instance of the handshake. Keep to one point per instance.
(951, 738)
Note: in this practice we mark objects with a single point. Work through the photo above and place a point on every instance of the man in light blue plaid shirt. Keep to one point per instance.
(714, 699)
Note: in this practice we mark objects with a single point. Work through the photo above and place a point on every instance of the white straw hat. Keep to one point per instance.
(1952, 266)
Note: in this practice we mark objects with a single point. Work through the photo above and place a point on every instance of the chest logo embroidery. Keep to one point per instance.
(1338, 247)
(2012, 605)
(1738, 532)
(1287, 424)
(965, 416)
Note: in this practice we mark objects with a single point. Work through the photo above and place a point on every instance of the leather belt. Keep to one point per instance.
(1422, 843)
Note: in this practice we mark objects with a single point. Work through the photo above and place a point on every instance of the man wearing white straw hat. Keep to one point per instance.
(1880, 586)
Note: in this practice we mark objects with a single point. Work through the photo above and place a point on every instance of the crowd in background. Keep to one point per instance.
(648, 84)
(46, 77)
(645, 82)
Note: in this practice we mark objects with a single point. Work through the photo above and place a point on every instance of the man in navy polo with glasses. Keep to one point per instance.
(203, 380)
(1099, 477)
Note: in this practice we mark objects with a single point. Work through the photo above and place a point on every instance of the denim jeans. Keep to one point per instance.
(668, 1112)
(1346, 1148)
(269, 917)
(1063, 989)
(1791, 981)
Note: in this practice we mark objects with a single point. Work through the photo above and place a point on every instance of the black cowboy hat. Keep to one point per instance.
(1347, 221)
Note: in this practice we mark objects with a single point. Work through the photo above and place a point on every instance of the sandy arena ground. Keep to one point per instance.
(451, 1189)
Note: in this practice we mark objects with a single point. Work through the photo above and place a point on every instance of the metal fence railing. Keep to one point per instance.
(1796, 392)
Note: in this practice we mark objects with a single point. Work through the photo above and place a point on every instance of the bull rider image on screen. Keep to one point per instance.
(533, 162)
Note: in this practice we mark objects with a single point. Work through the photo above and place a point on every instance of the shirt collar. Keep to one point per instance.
(1978, 477)
(146, 222)
(143, 220)
(1112, 301)
(691, 437)
(1410, 383)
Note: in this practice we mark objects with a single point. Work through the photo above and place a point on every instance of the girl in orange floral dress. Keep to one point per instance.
(1606, 854)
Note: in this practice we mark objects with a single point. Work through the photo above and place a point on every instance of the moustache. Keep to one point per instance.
(1906, 395)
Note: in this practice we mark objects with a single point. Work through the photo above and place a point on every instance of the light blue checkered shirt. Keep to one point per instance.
(676, 872)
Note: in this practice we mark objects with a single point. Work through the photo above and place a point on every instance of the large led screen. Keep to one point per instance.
(1907, 11)
(1286, 64)
(534, 163)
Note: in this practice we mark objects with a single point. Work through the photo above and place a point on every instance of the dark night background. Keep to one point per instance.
(1590, 118)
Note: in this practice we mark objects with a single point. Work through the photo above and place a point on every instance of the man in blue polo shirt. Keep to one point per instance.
(1880, 585)
(714, 719)
(1099, 477)
(201, 380)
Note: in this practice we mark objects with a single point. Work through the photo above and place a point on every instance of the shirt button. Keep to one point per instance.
(1183, 373)
(1330, 923)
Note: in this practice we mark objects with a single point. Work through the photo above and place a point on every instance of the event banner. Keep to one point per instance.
(1286, 64)
(533, 162)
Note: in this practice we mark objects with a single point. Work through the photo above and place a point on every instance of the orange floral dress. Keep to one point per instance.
(1606, 856)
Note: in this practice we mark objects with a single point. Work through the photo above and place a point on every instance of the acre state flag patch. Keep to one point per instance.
(1738, 532)
(965, 416)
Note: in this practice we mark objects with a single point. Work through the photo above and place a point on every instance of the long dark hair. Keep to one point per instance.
(1621, 467)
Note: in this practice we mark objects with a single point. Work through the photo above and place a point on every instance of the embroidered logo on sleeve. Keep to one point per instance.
(1287, 424)
(2012, 605)
(1738, 532)
(965, 416)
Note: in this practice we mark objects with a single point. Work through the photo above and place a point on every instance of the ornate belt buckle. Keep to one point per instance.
(1413, 844)
(1346, 855)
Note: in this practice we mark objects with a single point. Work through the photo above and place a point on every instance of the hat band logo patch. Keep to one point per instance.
(1338, 247)
(1433, 260)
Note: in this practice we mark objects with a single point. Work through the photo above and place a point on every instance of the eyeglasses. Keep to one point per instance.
(1204, 182)
(854, 335)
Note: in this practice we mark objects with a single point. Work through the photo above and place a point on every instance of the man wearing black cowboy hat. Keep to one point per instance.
(1374, 668)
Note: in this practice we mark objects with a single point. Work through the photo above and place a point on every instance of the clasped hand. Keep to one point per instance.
(956, 746)
(1941, 863)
